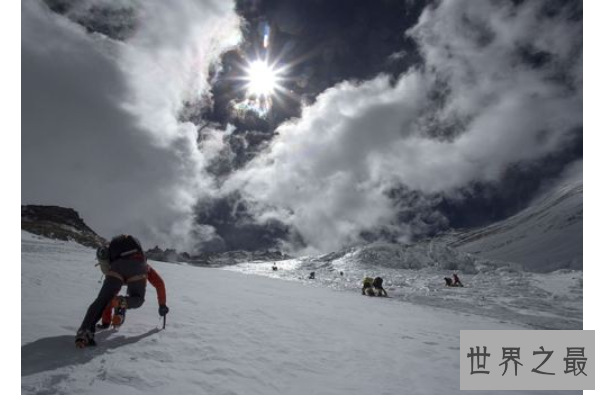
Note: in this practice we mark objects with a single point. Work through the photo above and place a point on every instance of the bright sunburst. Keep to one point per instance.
(262, 79)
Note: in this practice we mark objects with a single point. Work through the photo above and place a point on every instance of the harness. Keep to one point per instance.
(136, 255)
(131, 279)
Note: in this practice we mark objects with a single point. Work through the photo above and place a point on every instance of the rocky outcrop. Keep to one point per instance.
(58, 223)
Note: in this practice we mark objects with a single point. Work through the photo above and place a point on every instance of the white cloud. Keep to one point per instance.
(166, 62)
(326, 174)
(100, 131)
(101, 134)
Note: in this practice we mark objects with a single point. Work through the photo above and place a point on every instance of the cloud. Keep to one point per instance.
(499, 84)
(99, 116)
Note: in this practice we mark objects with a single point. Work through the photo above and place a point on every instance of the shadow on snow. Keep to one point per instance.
(55, 352)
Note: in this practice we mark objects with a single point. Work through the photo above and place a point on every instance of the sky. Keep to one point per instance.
(391, 120)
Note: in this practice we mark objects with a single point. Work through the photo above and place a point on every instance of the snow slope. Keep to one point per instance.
(231, 333)
(546, 236)
(415, 273)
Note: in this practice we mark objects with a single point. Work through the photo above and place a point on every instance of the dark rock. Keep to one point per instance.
(58, 223)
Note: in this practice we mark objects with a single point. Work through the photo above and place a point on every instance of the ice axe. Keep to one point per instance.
(163, 310)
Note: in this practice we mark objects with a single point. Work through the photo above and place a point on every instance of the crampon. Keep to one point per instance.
(84, 338)
(119, 305)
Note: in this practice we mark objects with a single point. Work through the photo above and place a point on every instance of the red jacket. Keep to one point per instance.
(158, 283)
(161, 293)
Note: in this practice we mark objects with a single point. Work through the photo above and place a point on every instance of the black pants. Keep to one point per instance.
(136, 291)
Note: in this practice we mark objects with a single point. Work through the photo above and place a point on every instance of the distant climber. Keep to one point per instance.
(311, 276)
(373, 287)
(453, 282)
(456, 281)
(378, 285)
(367, 288)
(274, 267)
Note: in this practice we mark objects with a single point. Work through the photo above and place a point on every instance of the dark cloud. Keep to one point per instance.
(113, 20)
(236, 229)
(320, 43)
(481, 203)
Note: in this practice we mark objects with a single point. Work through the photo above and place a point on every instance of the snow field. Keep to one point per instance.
(231, 333)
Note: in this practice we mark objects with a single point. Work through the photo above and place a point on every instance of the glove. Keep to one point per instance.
(163, 310)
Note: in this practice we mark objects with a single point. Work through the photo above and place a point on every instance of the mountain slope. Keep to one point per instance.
(230, 333)
(546, 236)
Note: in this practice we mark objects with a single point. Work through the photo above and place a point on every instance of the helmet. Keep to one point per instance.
(102, 253)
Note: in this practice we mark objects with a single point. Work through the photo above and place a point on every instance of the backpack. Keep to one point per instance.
(102, 255)
(123, 246)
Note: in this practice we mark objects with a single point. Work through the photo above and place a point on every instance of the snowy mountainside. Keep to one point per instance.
(229, 333)
(416, 272)
(214, 259)
(404, 256)
(546, 236)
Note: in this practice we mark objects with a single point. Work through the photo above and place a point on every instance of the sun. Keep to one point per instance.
(265, 85)
(262, 79)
